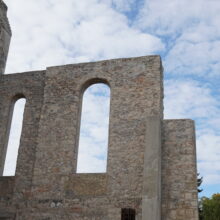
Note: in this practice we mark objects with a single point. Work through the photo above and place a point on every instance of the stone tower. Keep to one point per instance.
(5, 36)
(151, 166)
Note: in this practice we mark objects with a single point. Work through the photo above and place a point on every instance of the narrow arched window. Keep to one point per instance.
(14, 138)
(93, 139)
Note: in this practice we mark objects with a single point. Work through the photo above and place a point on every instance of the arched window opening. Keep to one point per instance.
(14, 138)
(127, 214)
(93, 138)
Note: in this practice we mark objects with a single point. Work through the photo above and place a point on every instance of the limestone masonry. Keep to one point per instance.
(151, 166)
(5, 36)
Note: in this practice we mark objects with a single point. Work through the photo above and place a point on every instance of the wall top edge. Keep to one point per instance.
(22, 73)
(157, 59)
(148, 57)
(181, 119)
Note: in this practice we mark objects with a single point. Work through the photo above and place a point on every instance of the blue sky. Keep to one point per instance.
(185, 33)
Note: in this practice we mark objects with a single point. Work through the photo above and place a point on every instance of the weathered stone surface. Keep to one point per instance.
(5, 36)
(12, 87)
(151, 203)
(6, 195)
(179, 185)
(46, 185)
(86, 185)
(6, 187)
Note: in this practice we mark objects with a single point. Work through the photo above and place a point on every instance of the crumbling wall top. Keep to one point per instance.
(3, 5)
(3, 17)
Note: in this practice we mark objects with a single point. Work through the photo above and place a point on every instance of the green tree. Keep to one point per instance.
(210, 207)
(199, 182)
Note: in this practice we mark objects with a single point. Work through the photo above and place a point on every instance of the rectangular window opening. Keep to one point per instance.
(127, 214)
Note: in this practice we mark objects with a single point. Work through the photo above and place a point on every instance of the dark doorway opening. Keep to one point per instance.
(127, 214)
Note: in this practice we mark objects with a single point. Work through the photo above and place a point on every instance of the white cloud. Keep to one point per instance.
(91, 164)
(208, 153)
(174, 16)
(200, 58)
(94, 106)
(189, 99)
(191, 32)
(209, 147)
(192, 99)
(93, 143)
(53, 33)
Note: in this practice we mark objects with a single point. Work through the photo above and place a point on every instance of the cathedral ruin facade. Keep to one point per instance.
(151, 166)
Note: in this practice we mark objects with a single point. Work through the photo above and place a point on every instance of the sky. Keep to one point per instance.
(185, 33)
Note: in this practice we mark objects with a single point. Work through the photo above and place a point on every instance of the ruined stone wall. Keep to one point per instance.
(46, 185)
(12, 87)
(6, 196)
(135, 95)
(179, 176)
(5, 36)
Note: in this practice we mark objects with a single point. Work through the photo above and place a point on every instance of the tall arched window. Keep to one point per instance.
(14, 138)
(93, 140)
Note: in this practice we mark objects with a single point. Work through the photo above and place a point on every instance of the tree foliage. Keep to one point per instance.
(199, 182)
(210, 207)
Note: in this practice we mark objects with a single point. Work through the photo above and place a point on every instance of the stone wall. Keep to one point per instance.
(133, 82)
(46, 186)
(6, 195)
(5, 36)
(12, 87)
